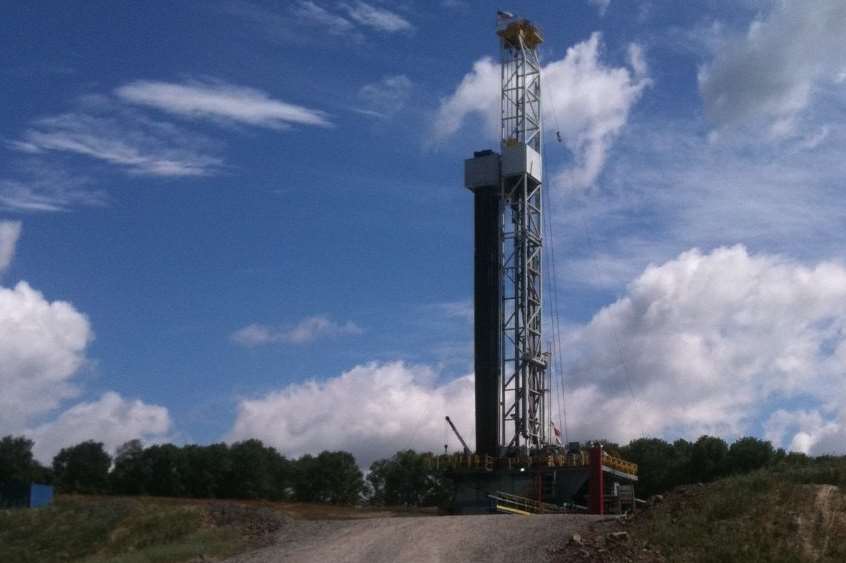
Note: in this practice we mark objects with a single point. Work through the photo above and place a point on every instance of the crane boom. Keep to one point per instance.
(458, 435)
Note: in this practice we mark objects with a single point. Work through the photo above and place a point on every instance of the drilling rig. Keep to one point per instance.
(511, 382)
(515, 466)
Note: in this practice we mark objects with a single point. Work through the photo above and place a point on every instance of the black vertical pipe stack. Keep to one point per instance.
(482, 177)
(487, 303)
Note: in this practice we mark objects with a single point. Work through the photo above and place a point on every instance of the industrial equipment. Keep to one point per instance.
(511, 380)
(458, 435)
(515, 458)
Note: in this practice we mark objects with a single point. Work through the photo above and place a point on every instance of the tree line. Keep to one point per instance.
(664, 465)
(252, 470)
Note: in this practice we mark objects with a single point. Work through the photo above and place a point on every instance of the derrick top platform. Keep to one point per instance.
(511, 28)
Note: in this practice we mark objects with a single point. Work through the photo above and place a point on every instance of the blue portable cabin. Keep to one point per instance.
(19, 494)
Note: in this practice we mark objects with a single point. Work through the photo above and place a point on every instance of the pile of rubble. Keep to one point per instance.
(607, 541)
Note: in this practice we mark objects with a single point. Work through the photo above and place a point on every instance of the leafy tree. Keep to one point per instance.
(256, 471)
(796, 458)
(16, 461)
(331, 477)
(164, 471)
(708, 459)
(657, 470)
(128, 476)
(83, 468)
(405, 479)
(748, 454)
(206, 469)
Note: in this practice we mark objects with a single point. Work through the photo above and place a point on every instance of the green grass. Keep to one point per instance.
(126, 530)
(767, 516)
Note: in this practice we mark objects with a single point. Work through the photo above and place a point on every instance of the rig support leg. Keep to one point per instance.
(597, 481)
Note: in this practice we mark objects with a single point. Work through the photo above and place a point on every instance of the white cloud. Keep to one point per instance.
(806, 431)
(377, 18)
(387, 96)
(477, 94)
(600, 5)
(704, 342)
(310, 12)
(669, 189)
(9, 233)
(372, 410)
(587, 101)
(307, 330)
(42, 351)
(111, 419)
(220, 101)
(42, 346)
(123, 139)
(772, 71)
(39, 185)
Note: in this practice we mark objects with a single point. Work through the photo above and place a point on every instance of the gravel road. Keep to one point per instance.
(482, 538)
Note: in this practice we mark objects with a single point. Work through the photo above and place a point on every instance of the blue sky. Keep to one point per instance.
(254, 215)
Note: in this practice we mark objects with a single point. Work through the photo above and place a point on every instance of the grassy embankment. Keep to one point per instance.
(780, 514)
(132, 530)
(103, 529)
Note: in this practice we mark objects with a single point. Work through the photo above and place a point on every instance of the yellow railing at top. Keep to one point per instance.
(475, 462)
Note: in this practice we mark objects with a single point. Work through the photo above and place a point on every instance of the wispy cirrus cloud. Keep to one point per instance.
(304, 332)
(348, 20)
(9, 233)
(122, 138)
(385, 97)
(39, 185)
(308, 11)
(376, 17)
(220, 101)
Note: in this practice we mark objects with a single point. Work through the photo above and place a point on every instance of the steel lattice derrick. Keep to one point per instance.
(523, 374)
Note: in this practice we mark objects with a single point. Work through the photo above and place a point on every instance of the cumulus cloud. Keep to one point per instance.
(387, 96)
(590, 104)
(716, 343)
(307, 330)
(9, 233)
(220, 101)
(588, 101)
(42, 346)
(111, 419)
(372, 410)
(42, 351)
(477, 94)
(772, 70)
(807, 431)
(704, 342)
